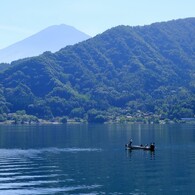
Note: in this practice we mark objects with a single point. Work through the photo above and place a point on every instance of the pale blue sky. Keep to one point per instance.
(22, 18)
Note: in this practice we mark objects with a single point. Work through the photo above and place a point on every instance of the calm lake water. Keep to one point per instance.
(91, 159)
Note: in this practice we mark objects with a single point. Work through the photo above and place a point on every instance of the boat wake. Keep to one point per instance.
(44, 171)
(18, 151)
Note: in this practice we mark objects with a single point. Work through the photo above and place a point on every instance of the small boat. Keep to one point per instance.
(137, 147)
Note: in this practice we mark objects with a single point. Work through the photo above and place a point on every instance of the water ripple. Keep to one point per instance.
(38, 171)
(48, 191)
(15, 152)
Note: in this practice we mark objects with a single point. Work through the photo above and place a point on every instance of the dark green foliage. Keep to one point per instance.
(63, 120)
(147, 69)
(20, 97)
(20, 117)
(96, 116)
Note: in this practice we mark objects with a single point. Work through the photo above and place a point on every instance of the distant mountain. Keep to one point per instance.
(125, 70)
(51, 39)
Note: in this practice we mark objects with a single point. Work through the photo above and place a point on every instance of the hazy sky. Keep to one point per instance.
(22, 18)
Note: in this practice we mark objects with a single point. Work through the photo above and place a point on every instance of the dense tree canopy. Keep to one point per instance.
(124, 70)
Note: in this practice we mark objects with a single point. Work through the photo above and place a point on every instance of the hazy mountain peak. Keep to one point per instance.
(52, 38)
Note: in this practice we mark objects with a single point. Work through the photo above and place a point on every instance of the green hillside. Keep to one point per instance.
(125, 71)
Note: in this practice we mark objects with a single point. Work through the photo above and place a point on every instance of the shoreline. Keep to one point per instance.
(72, 121)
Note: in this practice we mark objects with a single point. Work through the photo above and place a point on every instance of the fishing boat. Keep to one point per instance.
(150, 147)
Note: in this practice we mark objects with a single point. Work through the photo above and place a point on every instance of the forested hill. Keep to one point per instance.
(123, 71)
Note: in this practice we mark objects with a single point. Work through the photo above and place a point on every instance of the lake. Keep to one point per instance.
(91, 159)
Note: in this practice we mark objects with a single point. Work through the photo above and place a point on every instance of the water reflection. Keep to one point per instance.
(140, 154)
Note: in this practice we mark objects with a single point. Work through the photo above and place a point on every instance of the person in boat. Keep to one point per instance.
(130, 143)
(152, 146)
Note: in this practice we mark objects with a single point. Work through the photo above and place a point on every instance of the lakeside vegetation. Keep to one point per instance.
(21, 118)
(134, 74)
